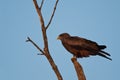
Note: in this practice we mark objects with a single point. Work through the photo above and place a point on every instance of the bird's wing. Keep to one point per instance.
(81, 43)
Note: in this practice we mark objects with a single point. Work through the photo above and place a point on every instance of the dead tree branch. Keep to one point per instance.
(52, 14)
(41, 5)
(45, 51)
(78, 68)
(30, 40)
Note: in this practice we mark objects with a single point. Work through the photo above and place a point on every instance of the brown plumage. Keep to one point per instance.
(81, 47)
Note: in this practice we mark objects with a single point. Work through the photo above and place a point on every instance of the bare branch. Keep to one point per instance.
(30, 40)
(46, 49)
(52, 14)
(39, 13)
(78, 68)
(41, 5)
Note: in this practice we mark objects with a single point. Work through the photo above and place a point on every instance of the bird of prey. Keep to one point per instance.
(81, 47)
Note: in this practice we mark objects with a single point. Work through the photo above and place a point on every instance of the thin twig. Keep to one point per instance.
(52, 14)
(41, 5)
(30, 40)
(39, 13)
(78, 68)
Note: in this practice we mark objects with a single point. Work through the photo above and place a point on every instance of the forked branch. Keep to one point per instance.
(41, 5)
(46, 48)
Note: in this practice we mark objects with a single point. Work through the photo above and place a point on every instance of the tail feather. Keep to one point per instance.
(103, 55)
(102, 46)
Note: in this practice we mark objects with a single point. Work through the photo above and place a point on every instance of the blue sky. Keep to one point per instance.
(97, 20)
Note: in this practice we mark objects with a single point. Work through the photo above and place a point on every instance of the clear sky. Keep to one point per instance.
(97, 20)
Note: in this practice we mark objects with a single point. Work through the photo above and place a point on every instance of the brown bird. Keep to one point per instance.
(81, 47)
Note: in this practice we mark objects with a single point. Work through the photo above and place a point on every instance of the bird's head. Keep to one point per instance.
(62, 36)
